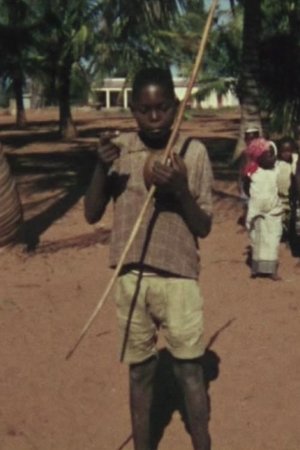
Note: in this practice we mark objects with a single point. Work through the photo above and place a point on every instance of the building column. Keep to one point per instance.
(125, 100)
(107, 92)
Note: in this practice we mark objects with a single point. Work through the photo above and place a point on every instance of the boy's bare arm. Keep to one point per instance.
(198, 221)
(174, 179)
(98, 193)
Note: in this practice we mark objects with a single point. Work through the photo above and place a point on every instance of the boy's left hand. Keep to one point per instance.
(170, 178)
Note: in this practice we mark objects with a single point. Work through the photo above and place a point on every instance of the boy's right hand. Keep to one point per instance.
(107, 152)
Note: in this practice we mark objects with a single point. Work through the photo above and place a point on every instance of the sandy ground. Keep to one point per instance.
(47, 293)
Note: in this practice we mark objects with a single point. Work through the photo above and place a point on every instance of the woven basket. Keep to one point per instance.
(10, 206)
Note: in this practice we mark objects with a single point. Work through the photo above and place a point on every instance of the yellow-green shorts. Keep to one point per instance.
(147, 303)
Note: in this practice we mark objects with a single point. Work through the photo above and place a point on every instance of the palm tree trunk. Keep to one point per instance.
(10, 212)
(294, 23)
(248, 83)
(66, 125)
(18, 90)
(232, 6)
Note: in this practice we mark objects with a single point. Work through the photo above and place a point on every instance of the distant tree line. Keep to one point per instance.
(55, 42)
(63, 47)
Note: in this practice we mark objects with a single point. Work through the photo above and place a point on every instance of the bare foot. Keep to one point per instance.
(275, 277)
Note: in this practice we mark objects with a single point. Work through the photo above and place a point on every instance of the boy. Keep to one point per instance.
(158, 285)
(287, 163)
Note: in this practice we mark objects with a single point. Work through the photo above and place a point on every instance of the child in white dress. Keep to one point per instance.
(264, 216)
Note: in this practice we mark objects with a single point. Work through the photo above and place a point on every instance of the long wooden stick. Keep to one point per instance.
(166, 155)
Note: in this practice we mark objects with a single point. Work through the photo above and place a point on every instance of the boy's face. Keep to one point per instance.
(154, 110)
(285, 152)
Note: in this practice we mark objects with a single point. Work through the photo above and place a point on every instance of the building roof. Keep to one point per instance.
(118, 83)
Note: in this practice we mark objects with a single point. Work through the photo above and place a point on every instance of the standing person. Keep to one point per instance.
(287, 166)
(158, 285)
(264, 216)
(251, 133)
(295, 215)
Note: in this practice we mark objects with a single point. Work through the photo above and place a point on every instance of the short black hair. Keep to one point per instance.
(153, 75)
(287, 140)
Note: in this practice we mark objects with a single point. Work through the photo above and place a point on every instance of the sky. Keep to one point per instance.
(223, 3)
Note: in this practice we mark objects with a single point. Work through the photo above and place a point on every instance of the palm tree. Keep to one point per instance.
(68, 26)
(280, 72)
(108, 32)
(17, 30)
(134, 34)
(10, 213)
(248, 88)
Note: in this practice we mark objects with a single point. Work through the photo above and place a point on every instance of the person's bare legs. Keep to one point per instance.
(141, 377)
(274, 276)
(191, 380)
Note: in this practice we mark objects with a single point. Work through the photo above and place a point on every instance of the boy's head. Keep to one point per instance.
(154, 103)
(268, 158)
(262, 153)
(286, 147)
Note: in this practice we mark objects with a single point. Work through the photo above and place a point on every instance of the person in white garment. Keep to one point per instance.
(264, 215)
(287, 159)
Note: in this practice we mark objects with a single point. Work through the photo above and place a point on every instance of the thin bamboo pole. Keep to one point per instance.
(166, 155)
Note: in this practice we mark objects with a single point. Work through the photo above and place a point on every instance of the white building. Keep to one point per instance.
(115, 94)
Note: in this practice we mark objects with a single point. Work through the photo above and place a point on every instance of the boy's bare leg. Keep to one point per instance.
(191, 379)
(141, 392)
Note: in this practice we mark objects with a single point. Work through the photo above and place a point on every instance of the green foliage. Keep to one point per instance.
(220, 85)
(181, 40)
(18, 23)
(225, 49)
(4, 100)
(131, 38)
(278, 17)
(80, 89)
(279, 58)
(87, 40)
(280, 64)
(18, 31)
(223, 53)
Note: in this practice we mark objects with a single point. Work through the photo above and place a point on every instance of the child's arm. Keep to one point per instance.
(174, 179)
(98, 193)
(246, 185)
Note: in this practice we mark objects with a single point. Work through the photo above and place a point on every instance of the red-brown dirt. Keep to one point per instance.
(48, 291)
